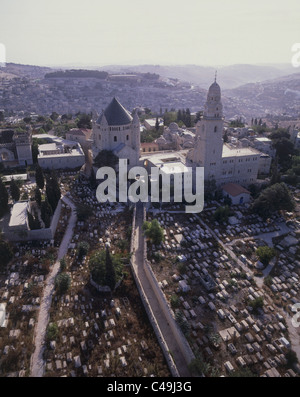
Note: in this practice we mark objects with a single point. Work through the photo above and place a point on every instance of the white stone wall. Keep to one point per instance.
(63, 162)
(239, 169)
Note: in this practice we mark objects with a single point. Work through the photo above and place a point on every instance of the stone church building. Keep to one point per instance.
(118, 131)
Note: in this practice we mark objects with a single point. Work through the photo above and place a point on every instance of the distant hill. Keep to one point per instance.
(30, 71)
(279, 95)
(202, 76)
(77, 73)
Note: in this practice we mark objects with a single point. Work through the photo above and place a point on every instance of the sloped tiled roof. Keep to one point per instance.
(234, 189)
(116, 114)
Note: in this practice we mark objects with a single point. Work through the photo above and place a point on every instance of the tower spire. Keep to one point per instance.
(215, 76)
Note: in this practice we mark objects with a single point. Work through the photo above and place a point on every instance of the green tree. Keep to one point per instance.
(38, 196)
(33, 221)
(6, 254)
(3, 198)
(106, 158)
(54, 116)
(222, 214)
(46, 212)
(63, 264)
(275, 175)
(84, 121)
(265, 254)
(98, 268)
(183, 323)
(174, 301)
(82, 249)
(210, 186)
(39, 177)
(52, 332)
(92, 179)
(188, 118)
(257, 303)
(62, 283)
(110, 275)
(225, 137)
(83, 212)
(153, 231)
(14, 190)
(242, 373)
(274, 198)
(53, 190)
(35, 151)
(284, 150)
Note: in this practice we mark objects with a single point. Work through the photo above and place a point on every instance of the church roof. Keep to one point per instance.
(116, 114)
(234, 189)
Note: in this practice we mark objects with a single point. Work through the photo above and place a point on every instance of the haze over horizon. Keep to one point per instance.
(208, 33)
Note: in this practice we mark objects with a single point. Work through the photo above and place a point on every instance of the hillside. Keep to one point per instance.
(274, 96)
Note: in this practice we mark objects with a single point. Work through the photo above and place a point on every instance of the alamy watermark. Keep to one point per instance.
(296, 57)
(2, 55)
(182, 185)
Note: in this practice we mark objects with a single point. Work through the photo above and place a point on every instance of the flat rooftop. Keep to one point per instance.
(169, 163)
(231, 151)
(263, 139)
(18, 215)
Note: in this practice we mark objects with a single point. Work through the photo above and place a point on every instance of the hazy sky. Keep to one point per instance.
(98, 32)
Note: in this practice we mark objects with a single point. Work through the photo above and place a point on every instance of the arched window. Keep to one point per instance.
(215, 129)
(115, 139)
(127, 137)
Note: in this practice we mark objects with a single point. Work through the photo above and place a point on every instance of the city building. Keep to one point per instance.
(60, 153)
(118, 131)
(223, 162)
(15, 148)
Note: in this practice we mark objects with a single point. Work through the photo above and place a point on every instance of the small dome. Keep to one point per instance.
(173, 127)
(161, 139)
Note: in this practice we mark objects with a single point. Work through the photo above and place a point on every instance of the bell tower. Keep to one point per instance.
(209, 135)
(23, 142)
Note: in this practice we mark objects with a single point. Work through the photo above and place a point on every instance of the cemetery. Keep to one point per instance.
(229, 321)
(105, 333)
(20, 291)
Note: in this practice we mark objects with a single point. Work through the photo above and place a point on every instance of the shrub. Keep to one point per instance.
(175, 302)
(265, 254)
(52, 332)
(82, 249)
(62, 283)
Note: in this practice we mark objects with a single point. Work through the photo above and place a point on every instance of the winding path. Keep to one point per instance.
(37, 365)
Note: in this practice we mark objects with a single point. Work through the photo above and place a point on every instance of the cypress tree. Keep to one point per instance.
(38, 196)
(14, 190)
(46, 212)
(39, 177)
(53, 190)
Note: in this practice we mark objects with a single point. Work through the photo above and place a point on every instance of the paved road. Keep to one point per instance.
(166, 330)
(37, 366)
